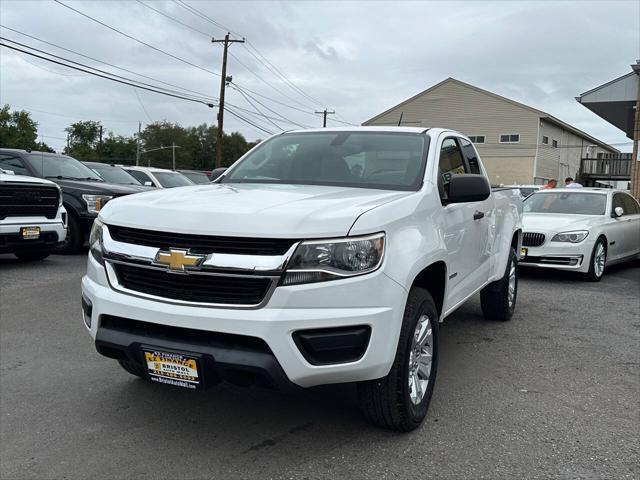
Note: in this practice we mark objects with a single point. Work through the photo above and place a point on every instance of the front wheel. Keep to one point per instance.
(400, 400)
(498, 299)
(597, 262)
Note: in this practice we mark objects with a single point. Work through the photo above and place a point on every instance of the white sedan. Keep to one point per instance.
(583, 230)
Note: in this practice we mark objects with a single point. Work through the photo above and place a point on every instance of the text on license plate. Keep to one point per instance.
(30, 233)
(172, 368)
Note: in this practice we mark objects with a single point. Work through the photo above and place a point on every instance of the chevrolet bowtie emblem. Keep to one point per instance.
(179, 260)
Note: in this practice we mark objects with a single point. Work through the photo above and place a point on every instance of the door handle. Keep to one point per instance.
(478, 215)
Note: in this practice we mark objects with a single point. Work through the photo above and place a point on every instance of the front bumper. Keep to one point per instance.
(52, 232)
(559, 255)
(373, 301)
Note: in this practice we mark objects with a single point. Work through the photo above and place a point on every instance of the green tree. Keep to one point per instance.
(118, 149)
(19, 130)
(83, 139)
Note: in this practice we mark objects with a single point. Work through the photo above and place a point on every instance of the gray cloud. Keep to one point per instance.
(356, 57)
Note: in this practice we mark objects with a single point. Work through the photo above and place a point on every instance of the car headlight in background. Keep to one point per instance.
(321, 260)
(95, 241)
(571, 237)
(95, 202)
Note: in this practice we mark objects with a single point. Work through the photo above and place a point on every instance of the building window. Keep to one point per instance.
(554, 143)
(510, 138)
(477, 138)
(545, 140)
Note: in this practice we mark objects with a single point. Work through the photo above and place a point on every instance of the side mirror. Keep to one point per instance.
(617, 212)
(217, 173)
(148, 184)
(468, 187)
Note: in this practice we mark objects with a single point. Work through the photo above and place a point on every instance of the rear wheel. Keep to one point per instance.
(400, 400)
(32, 256)
(597, 262)
(133, 368)
(498, 299)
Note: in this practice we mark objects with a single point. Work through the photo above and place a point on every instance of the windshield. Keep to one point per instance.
(114, 175)
(172, 179)
(382, 160)
(61, 166)
(197, 177)
(565, 202)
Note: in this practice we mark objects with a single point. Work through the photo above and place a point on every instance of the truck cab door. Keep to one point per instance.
(466, 227)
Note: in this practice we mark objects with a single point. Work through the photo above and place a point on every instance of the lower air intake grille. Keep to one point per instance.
(196, 288)
(530, 239)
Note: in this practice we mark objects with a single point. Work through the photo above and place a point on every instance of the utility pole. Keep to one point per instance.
(100, 147)
(223, 83)
(324, 113)
(138, 145)
(173, 149)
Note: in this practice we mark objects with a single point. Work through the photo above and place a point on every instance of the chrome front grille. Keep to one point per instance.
(229, 280)
(530, 239)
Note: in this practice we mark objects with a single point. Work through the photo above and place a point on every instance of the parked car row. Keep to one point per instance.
(84, 188)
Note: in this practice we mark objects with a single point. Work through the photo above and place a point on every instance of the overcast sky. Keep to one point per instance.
(358, 58)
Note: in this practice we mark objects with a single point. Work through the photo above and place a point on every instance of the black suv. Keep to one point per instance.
(84, 192)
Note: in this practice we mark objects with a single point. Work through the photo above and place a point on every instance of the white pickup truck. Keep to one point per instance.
(321, 256)
(32, 218)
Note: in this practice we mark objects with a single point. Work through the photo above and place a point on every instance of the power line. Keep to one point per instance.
(204, 95)
(44, 68)
(125, 82)
(94, 68)
(248, 121)
(135, 90)
(244, 92)
(259, 112)
(138, 40)
(205, 17)
(75, 117)
(174, 19)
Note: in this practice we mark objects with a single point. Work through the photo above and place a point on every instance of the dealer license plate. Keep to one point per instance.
(523, 252)
(172, 368)
(30, 233)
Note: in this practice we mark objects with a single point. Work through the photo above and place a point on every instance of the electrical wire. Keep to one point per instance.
(259, 112)
(174, 19)
(93, 68)
(135, 90)
(204, 95)
(138, 40)
(45, 68)
(125, 82)
(243, 92)
(205, 17)
(240, 117)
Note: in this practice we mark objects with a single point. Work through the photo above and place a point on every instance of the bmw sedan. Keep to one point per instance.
(583, 230)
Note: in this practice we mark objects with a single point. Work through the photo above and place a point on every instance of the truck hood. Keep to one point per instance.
(248, 210)
(558, 222)
(97, 188)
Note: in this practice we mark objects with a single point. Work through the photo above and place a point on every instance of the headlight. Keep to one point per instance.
(321, 260)
(59, 196)
(95, 202)
(572, 237)
(95, 241)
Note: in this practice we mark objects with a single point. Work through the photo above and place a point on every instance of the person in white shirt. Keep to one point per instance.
(569, 183)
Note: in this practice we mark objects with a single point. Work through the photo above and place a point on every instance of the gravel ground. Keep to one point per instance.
(553, 393)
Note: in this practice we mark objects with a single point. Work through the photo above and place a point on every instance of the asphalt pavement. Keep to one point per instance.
(553, 393)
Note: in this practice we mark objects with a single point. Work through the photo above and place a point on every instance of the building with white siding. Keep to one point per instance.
(518, 144)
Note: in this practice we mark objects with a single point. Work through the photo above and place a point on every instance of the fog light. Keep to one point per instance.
(87, 310)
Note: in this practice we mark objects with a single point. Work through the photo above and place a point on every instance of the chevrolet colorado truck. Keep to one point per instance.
(321, 256)
(32, 218)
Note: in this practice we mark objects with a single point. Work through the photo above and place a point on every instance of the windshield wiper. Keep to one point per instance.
(62, 177)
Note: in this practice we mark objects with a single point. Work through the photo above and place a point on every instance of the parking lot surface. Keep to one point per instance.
(552, 393)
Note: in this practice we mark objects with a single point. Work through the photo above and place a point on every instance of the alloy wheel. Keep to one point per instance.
(420, 359)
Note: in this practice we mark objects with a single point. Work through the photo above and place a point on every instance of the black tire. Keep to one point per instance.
(592, 275)
(32, 256)
(75, 236)
(386, 402)
(494, 298)
(133, 368)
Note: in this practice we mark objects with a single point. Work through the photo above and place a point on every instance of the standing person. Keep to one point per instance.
(569, 183)
(550, 184)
